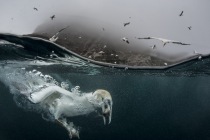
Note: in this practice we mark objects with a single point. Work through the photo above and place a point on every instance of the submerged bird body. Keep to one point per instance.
(153, 47)
(63, 104)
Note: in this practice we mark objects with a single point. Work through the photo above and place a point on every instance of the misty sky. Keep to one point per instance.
(159, 18)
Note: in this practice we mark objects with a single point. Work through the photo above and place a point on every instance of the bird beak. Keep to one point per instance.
(107, 113)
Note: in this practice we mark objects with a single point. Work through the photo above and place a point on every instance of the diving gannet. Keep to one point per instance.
(63, 104)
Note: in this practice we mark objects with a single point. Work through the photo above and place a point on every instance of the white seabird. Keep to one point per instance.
(63, 104)
(199, 55)
(153, 47)
(55, 37)
(125, 39)
(165, 41)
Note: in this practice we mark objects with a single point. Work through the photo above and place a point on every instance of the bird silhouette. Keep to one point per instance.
(125, 39)
(165, 41)
(195, 52)
(181, 14)
(35, 9)
(153, 47)
(190, 27)
(127, 23)
(52, 17)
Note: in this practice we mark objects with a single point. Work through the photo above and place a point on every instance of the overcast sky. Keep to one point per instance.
(159, 18)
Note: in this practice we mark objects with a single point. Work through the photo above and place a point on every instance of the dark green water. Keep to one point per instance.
(145, 107)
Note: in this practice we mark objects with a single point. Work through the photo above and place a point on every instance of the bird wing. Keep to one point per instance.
(125, 24)
(63, 29)
(144, 38)
(177, 42)
(181, 13)
(50, 92)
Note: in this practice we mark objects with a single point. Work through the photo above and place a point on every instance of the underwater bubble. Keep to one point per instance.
(38, 73)
(76, 90)
(65, 85)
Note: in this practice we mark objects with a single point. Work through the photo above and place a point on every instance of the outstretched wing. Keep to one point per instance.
(49, 93)
(180, 43)
(144, 38)
(63, 29)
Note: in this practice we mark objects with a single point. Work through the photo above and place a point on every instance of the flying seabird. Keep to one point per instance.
(153, 47)
(55, 37)
(101, 52)
(165, 41)
(200, 56)
(125, 39)
(189, 27)
(35, 9)
(52, 17)
(166, 64)
(195, 52)
(103, 29)
(181, 14)
(125, 24)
